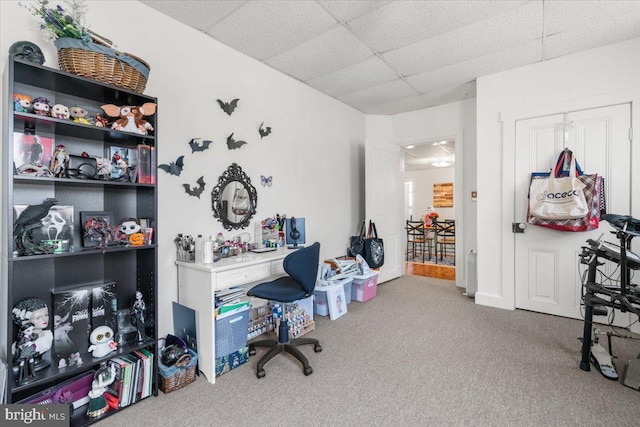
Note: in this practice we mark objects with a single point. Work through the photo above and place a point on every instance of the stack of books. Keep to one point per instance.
(134, 378)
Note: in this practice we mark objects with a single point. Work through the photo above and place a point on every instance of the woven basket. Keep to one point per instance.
(101, 63)
(178, 376)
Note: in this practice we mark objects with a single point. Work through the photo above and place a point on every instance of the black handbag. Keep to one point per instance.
(356, 243)
(373, 247)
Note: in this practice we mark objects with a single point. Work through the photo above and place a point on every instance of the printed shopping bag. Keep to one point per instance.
(373, 247)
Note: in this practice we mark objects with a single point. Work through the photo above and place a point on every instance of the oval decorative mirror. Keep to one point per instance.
(234, 199)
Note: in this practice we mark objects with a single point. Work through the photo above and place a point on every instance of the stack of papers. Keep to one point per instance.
(226, 296)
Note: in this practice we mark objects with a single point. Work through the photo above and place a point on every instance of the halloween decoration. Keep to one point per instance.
(173, 168)
(266, 180)
(130, 226)
(130, 117)
(264, 131)
(138, 313)
(27, 51)
(231, 192)
(97, 230)
(22, 103)
(232, 144)
(30, 219)
(195, 146)
(102, 342)
(195, 191)
(79, 115)
(35, 338)
(137, 239)
(103, 377)
(100, 120)
(41, 106)
(228, 107)
(59, 162)
(60, 111)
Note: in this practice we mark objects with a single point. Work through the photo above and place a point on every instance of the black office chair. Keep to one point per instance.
(302, 268)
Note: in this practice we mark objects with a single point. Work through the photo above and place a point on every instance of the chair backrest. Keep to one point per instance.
(445, 228)
(302, 266)
(415, 228)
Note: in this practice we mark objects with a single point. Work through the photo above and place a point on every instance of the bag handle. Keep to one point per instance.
(362, 231)
(373, 232)
(564, 161)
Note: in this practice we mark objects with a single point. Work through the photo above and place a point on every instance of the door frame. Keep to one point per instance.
(458, 194)
(508, 120)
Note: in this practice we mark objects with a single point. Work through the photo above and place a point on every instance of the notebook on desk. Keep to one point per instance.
(261, 250)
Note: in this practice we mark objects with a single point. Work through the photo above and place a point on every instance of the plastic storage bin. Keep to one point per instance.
(231, 332)
(364, 286)
(320, 306)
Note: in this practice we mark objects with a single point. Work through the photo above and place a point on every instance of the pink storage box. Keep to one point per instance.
(364, 287)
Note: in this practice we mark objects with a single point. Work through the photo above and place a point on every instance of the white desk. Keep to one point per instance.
(198, 282)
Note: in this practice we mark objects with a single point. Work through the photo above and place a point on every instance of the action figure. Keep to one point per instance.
(34, 311)
(59, 161)
(24, 353)
(138, 314)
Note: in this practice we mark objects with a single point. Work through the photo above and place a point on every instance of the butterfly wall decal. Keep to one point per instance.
(228, 107)
(266, 180)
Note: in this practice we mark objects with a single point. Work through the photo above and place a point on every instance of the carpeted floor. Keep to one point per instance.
(419, 354)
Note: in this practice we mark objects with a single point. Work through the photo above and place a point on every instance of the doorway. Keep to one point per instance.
(429, 183)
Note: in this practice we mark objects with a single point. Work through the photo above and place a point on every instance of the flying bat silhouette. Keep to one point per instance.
(173, 168)
(195, 191)
(264, 131)
(228, 107)
(232, 144)
(196, 146)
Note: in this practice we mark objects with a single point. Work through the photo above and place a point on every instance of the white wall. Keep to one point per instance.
(423, 181)
(601, 76)
(315, 153)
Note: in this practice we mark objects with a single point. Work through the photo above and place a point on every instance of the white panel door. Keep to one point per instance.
(547, 270)
(384, 195)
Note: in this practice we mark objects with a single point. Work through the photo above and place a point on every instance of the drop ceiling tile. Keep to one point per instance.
(466, 71)
(597, 34)
(328, 52)
(456, 93)
(349, 9)
(500, 32)
(561, 15)
(404, 22)
(262, 29)
(199, 14)
(384, 93)
(399, 106)
(368, 73)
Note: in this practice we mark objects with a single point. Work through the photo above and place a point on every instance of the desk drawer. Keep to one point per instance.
(277, 269)
(241, 276)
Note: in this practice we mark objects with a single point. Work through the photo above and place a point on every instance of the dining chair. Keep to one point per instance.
(445, 232)
(415, 238)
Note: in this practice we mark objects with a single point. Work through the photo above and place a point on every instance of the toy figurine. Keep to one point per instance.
(22, 103)
(33, 312)
(102, 342)
(97, 402)
(59, 162)
(100, 120)
(79, 115)
(130, 117)
(60, 111)
(138, 311)
(24, 353)
(41, 106)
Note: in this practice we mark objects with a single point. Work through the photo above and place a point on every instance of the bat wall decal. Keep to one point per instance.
(228, 107)
(195, 191)
(264, 131)
(232, 144)
(196, 146)
(173, 168)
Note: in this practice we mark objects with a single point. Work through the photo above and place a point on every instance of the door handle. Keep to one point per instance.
(518, 227)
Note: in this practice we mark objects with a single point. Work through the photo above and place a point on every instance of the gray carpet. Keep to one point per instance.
(419, 354)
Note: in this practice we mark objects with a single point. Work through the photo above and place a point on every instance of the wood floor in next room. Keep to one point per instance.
(430, 270)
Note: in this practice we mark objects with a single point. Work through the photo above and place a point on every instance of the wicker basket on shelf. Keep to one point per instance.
(179, 375)
(98, 61)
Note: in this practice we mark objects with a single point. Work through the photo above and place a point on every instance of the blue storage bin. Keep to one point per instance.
(231, 332)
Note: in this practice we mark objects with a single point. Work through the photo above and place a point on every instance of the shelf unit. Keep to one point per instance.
(131, 268)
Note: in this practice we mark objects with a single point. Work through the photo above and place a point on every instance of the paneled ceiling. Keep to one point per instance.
(388, 57)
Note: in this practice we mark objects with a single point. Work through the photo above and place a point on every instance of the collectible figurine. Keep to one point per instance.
(130, 229)
(61, 341)
(59, 162)
(97, 402)
(22, 103)
(34, 311)
(23, 226)
(100, 120)
(41, 106)
(24, 353)
(60, 111)
(102, 342)
(130, 117)
(79, 115)
(138, 315)
(35, 152)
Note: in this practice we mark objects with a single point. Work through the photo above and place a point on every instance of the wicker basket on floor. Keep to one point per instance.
(179, 375)
(102, 63)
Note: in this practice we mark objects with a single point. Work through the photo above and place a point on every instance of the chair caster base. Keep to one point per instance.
(260, 373)
(317, 348)
(308, 370)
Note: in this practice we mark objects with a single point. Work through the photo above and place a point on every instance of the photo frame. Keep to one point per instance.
(337, 301)
(56, 230)
(443, 195)
(87, 240)
(31, 149)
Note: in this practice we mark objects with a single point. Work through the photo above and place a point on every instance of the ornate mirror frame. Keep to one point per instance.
(234, 173)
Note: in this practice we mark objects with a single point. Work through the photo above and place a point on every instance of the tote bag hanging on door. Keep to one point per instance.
(373, 247)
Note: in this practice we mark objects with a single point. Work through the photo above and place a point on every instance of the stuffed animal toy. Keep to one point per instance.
(102, 342)
(22, 103)
(41, 106)
(79, 115)
(130, 117)
(60, 111)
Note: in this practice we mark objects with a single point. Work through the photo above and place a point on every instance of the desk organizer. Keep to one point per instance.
(364, 286)
(177, 376)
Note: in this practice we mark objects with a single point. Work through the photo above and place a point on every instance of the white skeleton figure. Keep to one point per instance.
(53, 221)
